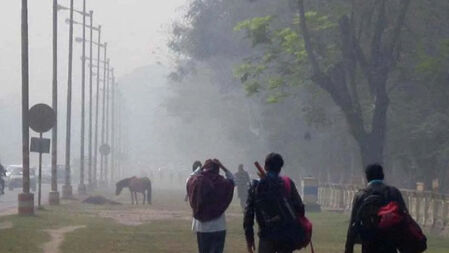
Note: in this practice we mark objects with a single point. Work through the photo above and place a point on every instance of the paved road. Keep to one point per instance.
(8, 202)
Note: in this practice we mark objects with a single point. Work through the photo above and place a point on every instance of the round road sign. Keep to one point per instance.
(105, 149)
(42, 118)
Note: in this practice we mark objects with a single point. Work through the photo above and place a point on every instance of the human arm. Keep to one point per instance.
(228, 174)
(351, 234)
(248, 220)
(297, 203)
(397, 195)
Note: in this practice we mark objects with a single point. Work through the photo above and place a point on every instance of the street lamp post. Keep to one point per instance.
(26, 199)
(53, 197)
(108, 84)
(82, 186)
(96, 108)
(103, 110)
(91, 171)
(113, 127)
(119, 134)
(67, 188)
(89, 180)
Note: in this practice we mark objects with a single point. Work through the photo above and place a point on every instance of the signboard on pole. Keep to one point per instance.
(105, 149)
(39, 145)
(42, 118)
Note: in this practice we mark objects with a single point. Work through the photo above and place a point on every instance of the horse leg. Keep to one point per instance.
(144, 196)
(132, 197)
(136, 198)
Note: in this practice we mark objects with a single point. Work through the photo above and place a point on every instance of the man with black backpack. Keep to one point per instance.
(276, 204)
(380, 219)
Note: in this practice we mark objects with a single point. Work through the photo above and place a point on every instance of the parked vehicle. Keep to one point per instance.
(14, 177)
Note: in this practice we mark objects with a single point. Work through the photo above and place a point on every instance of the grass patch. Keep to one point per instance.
(104, 235)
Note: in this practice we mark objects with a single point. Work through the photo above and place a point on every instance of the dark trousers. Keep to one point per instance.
(380, 247)
(267, 246)
(211, 242)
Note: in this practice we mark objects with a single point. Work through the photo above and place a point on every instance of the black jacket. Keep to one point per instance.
(251, 210)
(383, 246)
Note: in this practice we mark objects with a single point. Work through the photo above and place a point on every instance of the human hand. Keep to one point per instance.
(220, 165)
(251, 247)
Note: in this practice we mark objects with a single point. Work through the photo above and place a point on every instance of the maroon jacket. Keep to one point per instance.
(209, 195)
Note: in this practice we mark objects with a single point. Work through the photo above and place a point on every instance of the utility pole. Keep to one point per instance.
(67, 188)
(97, 109)
(108, 100)
(26, 199)
(53, 197)
(82, 186)
(118, 146)
(113, 127)
(103, 118)
(89, 178)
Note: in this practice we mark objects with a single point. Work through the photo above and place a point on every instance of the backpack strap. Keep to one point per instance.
(287, 184)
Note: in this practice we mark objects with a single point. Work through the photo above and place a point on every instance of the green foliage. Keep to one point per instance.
(256, 29)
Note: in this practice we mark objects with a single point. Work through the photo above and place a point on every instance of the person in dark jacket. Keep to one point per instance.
(242, 182)
(196, 165)
(210, 194)
(375, 176)
(2, 179)
(267, 244)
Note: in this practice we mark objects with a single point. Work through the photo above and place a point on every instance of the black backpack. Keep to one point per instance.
(367, 219)
(277, 214)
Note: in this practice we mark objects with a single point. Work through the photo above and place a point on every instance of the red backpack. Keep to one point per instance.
(401, 228)
(302, 221)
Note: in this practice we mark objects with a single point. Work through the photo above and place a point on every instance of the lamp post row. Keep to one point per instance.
(26, 199)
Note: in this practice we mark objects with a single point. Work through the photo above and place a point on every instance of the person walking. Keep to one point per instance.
(2, 179)
(242, 181)
(272, 205)
(196, 165)
(210, 194)
(363, 207)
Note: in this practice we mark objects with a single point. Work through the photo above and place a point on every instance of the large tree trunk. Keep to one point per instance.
(340, 80)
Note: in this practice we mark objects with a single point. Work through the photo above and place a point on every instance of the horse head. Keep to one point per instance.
(120, 185)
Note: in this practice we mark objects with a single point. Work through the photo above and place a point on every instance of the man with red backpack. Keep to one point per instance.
(380, 219)
(275, 203)
(209, 195)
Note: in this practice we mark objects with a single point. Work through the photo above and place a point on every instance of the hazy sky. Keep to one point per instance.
(133, 28)
(137, 33)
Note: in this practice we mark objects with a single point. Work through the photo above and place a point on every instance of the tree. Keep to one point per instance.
(354, 72)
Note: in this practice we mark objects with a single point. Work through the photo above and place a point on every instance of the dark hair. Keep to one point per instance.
(374, 171)
(274, 162)
(196, 165)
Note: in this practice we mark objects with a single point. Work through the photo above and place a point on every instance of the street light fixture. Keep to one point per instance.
(67, 21)
(79, 40)
(63, 8)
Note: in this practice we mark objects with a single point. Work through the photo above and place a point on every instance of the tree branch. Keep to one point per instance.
(398, 29)
(307, 39)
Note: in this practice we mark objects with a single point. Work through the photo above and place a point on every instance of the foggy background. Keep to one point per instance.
(175, 66)
(134, 30)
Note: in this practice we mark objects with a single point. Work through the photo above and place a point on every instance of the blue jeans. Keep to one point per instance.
(212, 242)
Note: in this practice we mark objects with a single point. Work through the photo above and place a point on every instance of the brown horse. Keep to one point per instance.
(135, 185)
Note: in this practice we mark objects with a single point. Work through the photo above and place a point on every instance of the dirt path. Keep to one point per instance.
(136, 217)
(140, 216)
(57, 237)
(6, 225)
